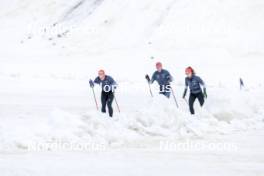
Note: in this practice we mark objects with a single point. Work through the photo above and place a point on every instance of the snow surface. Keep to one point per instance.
(51, 48)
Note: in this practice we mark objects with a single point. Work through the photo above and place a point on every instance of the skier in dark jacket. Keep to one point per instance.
(194, 83)
(163, 77)
(108, 87)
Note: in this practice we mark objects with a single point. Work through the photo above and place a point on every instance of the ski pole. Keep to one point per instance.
(174, 98)
(186, 101)
(148, 81)
(150, 90)
(117, 104)
(96, 104)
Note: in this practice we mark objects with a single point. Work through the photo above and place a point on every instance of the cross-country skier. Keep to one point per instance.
(194, 83)
(163, 77)
(108, 87)
(241, 83)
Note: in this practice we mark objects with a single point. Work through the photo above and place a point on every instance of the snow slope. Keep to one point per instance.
(51, 48)
(246, 161)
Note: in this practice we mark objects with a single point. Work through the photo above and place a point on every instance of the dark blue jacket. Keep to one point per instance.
(163, 78)
(194, 83)
(108, 84)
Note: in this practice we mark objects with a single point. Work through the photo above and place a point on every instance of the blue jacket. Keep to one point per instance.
(108, 84)
(194, 83)
(163, 78)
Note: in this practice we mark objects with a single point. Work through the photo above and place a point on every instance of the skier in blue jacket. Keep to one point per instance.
(194, 83)
(163, 77)
(108, 87)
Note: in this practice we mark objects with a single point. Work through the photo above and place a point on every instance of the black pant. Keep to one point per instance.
(192, 99)
(107, 99)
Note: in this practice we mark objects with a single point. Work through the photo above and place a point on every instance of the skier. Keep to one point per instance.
(163, 77)
(194, 83)
(241, 83)
(108, 87)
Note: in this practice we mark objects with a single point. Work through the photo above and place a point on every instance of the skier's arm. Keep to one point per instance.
(204, 87)
(185, 89)
(169, 77)
(153, 78)
(97, 80)
(112, 82)
(201, 82)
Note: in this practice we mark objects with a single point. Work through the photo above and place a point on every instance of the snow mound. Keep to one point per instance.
(138, 127)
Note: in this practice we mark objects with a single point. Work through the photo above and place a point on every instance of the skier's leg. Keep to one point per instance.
(167, 94)
(201, 98)
(168, 91)
(109, 104)
(103, 101)
(191, 102)
(161, 91)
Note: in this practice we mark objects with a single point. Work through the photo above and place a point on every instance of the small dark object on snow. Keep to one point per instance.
(241, 83)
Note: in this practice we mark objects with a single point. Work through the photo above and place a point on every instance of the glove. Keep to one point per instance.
(169, 79)
(184, 93)
(147, 78)
(204, 93)
(91, 83)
